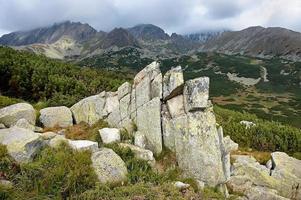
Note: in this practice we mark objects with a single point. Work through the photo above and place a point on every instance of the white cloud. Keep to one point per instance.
(173, 15)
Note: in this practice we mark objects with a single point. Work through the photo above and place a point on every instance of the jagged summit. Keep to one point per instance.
(148, 32)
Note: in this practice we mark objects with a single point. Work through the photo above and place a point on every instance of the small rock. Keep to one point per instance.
(140, 140)
(140, 153)
(248, 124)
(109, 135)
(48, 135)
(181, 186)
(82, 145)
(57, 140)
(109, 167)
(2, 126)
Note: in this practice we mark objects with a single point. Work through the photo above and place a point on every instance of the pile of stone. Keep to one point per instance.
(160, 111)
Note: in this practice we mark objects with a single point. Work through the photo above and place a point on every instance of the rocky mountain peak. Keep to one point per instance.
(119, 37)
(148, 32)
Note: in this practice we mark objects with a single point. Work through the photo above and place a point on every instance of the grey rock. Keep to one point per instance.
(151, 71)
(57, 140)
(109, 167)
(143, 92)
(168, 133)
(197, 144)
(56, 116)
(83, 145)
(151, 128)
(156, 87)
(124, 89)
(181, 186)
(109, 135)
(173, 83)
(140, 153)
(22, 144)
(112, 103)
(196, 94)
(90, 109)
(125, 106)
(114, 118)
(11, 114)
(48, 135)
(248, 124)
(23, 123)
(176, 106)
(140, 140)
(2, 126)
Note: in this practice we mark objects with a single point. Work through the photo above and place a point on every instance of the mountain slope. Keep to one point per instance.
(47, 35)
(148, 32)
(258, 42)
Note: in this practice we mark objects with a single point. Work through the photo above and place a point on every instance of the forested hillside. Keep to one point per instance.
(37, 78)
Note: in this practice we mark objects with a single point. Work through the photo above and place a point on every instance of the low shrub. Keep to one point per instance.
(7, 101)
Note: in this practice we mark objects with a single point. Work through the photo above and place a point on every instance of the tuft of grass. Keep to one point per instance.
(126, 136)
(55, 174)
(7, 101)
(8, 166)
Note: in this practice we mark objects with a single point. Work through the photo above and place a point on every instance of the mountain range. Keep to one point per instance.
(77, 40)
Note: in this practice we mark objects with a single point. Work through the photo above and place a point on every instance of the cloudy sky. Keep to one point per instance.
(181, 16)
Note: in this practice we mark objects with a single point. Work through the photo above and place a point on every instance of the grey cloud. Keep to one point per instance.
(182, 16)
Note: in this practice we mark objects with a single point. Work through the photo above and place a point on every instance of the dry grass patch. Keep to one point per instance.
(261, 156)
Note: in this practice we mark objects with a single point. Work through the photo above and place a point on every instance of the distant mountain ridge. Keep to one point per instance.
(77, 40)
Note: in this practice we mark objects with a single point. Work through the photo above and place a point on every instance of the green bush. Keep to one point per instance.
(7, 101)
(265, 136)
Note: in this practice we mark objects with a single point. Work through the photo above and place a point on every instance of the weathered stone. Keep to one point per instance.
(112, 103)
(48, 135)
(109, 135)
(168, 133)
(114, 118)
(90, 109)
(176, 106)
(124, 89)
(133, 107)
(143, 92)
(156, 87)
(56, 116)
(198, 147)
(196, 94)
(140, 140)
(151, 70)
(181, 186)
(140, 153)
(2, 126)
(57, 140)
(248, 173)
(23, 123)
(173, 83)
(11, 114)
(109, 167)
(38, 129)
(149, 123)
(125, 106)
(22, 144)
(248, 124)
(127, 124)
(82, 145)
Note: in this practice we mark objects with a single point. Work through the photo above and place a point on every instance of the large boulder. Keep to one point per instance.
(90, 109)
(176, 106)
(198, 147)
(11, 114)
(196, 94)
(109, 135)
(56, 116)
(173, 82)
(22, 144)
(247, 175)
(149, 123)
(124, 89)
(109, 167)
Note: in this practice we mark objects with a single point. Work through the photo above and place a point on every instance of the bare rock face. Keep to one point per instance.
(280, 182)
(124, 89)
(109, 135)
(56, 116)
(90, 109)
(173, 82)
(196, 94)
(149, 123)
(22, 144)
(11, 114)
(109, 167)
